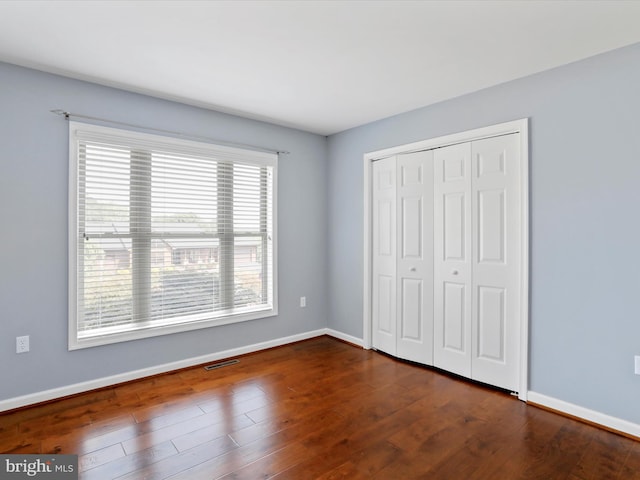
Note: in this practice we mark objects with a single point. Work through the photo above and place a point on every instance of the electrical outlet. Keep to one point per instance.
(637, 358)
(22, 344)
(303, 302)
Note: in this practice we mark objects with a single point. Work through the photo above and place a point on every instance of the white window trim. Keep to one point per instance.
(237, 155)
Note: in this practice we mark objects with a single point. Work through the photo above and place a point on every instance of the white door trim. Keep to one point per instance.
(517, 126)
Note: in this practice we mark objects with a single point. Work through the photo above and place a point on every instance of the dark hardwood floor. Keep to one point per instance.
(318, 409)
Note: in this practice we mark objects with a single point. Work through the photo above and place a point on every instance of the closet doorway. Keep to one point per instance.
(446, 253)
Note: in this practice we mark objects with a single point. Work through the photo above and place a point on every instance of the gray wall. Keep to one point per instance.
(585, 227)
(34, 219)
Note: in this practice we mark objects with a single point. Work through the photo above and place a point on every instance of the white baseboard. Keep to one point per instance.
(343, 336)
(592, 416)
(44, 396)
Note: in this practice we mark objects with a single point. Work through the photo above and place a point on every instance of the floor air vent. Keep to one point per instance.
(221, 364)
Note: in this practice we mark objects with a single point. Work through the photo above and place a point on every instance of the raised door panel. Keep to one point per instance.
(415, 257)
(411, 310)
(453, 224)
(411, 211)
(384, 215)
(491, 324)
(384, 278)
(496, 267)
(454, 317)
(385, 309)
(491, 226)
(452, 258)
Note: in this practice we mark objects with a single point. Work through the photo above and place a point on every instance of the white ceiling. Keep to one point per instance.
(320, 66)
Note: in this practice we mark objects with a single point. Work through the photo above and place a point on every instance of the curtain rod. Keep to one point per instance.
(69, 115)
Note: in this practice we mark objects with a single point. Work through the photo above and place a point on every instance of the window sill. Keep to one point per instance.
(109, 335)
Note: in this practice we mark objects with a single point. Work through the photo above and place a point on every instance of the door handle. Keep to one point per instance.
(455, 272)
(412, 269)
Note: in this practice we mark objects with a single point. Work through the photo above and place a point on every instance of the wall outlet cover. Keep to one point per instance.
(22, 344)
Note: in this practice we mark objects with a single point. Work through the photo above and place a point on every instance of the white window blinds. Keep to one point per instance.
(168, 235)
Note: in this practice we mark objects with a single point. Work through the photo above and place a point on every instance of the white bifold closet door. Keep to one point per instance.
(477, 260)
(402, 241)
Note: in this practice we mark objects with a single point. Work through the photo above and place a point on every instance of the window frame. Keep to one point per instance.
(79, 131)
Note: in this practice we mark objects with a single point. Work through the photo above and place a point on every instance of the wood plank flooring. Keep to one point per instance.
(318, 409)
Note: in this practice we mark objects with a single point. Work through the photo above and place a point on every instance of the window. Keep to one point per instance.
(166, 235)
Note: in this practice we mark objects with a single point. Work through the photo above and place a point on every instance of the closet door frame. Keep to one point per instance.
(517, 126)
